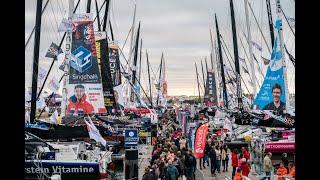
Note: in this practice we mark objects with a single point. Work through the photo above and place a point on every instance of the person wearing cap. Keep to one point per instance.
(78, 103)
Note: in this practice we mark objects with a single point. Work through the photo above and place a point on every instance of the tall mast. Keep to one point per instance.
(159, 79)
(253, 82)
(140, 59)
(127, 88)
(98, 17)
(88, 6)
(66, 68)
(270, 22)
(283, 55)
(204, 82)
(135, 59)
(148, 66)
(35, 62)
(214, 68)
(104, 25)
(111, 31)
(198, 81)
(205, 59)
(225, 97)
(236, 56)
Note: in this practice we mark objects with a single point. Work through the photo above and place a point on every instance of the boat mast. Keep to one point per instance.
(283, 55)
(198, 81)
(140, 59)
(236, 56)
(128, 89)
(225, 98)
(104, 25)
(98, 17)
(67, 58)
(253, 76)
(148, 66)
(35, 62)
(111, 31)
(135, 59)
(159, 83)
(214, 70)
(204, 82)
(270, 22)
(88, 6)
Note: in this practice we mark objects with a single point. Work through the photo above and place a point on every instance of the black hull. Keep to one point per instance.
(64, 132)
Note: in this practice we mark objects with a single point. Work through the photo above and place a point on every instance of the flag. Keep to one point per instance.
(292, 22)
(41, 74)
(200, 140)
(245, 70)
(265, 60)
(94, 132)
(62, 65)
(65, 25)
(54, 117)
(53, 51)
(256, 45)
(54, 84)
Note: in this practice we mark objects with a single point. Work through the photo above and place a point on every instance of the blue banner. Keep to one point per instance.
(131, 138)
(50, 167)
(272, 91)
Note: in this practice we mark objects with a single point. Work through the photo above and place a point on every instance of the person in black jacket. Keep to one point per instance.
(190, 164)
(212, 157)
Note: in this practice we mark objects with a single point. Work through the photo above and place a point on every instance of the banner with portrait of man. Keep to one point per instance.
(84, 86)
(272, 92)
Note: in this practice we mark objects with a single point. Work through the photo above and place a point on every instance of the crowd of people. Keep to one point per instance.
(173, 158)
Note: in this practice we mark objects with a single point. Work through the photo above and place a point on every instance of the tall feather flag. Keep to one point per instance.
(94, 132)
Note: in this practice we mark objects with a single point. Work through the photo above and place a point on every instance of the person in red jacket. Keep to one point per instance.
(245, 167)
(245, 153)
(234, 161)
(77, 102)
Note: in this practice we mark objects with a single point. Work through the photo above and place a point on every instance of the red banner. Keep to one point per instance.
(200, 140)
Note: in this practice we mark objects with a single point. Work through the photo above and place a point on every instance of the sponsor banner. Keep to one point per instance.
(272, 90)
(131, 137)
(61, 167)
(54, 84)
(200, 140)
(118, 96)
(143, 133)
(114, 64)
(53, 51)
(84, 88)
(210, 97)
(102, 57)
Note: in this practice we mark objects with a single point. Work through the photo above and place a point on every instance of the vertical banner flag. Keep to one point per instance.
(273, 81)
(84, 86)
(210, 97)
(102, 56)
(200, 140)
(114, 67)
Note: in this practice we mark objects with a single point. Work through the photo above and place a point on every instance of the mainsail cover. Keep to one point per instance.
(210, 96)
(273, 76)
(103, 60)
(84, 85)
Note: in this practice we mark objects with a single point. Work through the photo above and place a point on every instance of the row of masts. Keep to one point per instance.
(217, 49)
(131, 67)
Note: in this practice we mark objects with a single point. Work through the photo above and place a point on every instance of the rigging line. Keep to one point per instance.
(126, 38)
(232, 67)
(287, 22)
(60, 9)
(265, 41)
(99, 11)
(34, 27)
(55, 19)
(245, 53)
(253, 55)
